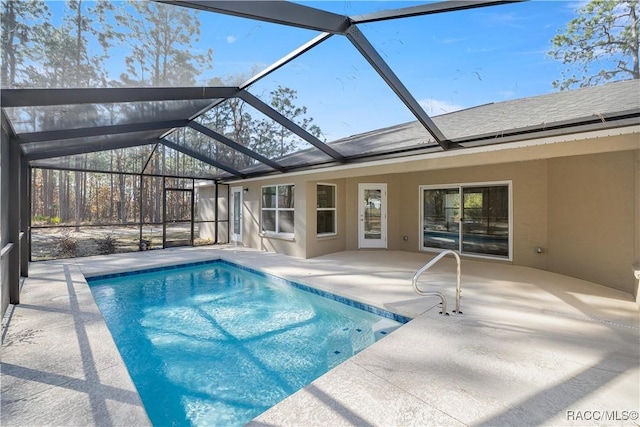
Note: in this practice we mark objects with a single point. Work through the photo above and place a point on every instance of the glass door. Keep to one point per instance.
(441, 218)
(471, 219)
(485, 220)
(235, 214)
(372, 211)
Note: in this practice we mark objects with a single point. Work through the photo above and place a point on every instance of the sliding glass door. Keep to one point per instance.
(485, 220)
(470, 218)
(441, 218)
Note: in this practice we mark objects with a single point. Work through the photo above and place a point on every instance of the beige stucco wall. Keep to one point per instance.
(207, 212)
(317, 246)
(223, 213)
(592, 218)
(553, 204)
(251, 235)
(529, 186)
(636, 264)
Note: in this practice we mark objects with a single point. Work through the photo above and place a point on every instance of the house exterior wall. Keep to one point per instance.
(529, 185)
(207, 212)
(251, 232)
(582, 210)
(592, 218)
(321, 245)
(223, 213)
(636, 265)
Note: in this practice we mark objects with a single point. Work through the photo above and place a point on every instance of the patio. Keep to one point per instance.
(531, 348)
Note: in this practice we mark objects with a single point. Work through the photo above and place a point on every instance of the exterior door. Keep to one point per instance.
(485, 220)
(474, 219)
(372, 215)
(235, 215)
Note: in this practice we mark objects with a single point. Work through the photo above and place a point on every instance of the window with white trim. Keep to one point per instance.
(278, 209)
(473, 219)
(326, 209)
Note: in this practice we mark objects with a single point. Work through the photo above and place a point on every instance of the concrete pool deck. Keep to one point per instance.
(532, 347)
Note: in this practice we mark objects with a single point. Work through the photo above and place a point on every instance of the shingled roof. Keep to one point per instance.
(523, 118)
(543, 110)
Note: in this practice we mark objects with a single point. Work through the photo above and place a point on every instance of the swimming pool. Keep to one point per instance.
(218, 344)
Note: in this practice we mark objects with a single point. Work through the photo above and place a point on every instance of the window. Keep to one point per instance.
(471, 218)
(326, 209)
(278, 209)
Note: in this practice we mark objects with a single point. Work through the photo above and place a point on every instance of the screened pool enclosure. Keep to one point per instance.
(126, 121)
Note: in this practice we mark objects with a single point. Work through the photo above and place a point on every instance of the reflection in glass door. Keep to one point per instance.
(441, 218)
(472, 219)
(372, 211)
(485, 224)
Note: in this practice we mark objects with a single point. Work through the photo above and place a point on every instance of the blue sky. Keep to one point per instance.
(448, 61)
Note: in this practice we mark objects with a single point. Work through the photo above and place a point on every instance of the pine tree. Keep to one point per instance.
(162, 38)
(602, 43)
(21, 21)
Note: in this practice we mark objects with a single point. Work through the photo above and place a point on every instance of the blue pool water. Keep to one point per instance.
(214, 344)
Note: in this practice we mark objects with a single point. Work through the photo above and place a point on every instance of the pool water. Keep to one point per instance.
(214, 344)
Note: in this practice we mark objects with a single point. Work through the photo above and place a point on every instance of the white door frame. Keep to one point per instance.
(233, 236)
(382, 241)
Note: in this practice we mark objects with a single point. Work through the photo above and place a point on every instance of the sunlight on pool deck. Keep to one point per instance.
(532, 347)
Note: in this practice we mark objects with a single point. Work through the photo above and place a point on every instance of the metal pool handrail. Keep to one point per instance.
(436, 293)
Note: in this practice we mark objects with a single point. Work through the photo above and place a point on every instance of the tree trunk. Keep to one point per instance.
(636, 42)
(46, 178)
(78, 73)
(61, 200)
(136, 198)
(8, 51)
(78, 207)
(123, 200)
(36, 194)
(111, 187)
(83, 210)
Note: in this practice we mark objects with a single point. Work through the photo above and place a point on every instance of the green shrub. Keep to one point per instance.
(39, 219)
